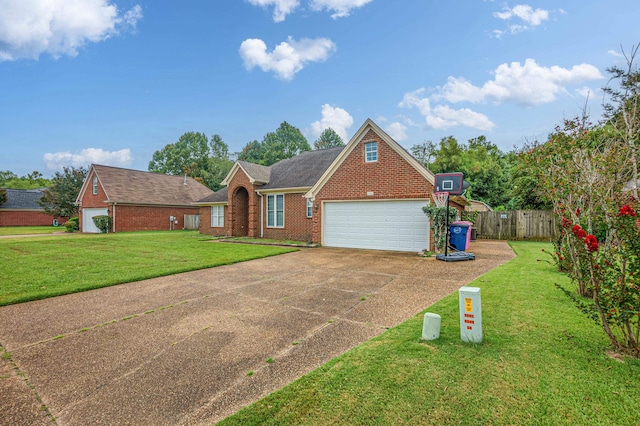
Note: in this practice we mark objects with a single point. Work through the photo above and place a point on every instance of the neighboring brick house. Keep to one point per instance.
(137, 200)
(367, 194)
(22, 209)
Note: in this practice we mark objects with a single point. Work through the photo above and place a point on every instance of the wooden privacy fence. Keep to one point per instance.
(191, 221)
(516, 225)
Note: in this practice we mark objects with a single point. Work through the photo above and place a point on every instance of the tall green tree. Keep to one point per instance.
(425, 153)
(252, 152)
(33, 180)
(59, 199)
(449, 156)
(328, 139)
(194, 155)
(286, 142)
(188, 154)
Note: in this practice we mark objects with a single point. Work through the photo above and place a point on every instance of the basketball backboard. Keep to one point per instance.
(449, 182)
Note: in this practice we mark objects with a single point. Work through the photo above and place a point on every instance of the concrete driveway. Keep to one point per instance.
(179, 349)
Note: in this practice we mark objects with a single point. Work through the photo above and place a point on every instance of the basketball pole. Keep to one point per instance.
(446, 230)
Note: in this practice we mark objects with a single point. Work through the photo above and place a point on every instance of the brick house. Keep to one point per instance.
(22, 209)
(137, 200)
(368, 194)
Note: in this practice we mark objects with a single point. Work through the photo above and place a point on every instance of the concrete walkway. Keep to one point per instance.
(177, 349)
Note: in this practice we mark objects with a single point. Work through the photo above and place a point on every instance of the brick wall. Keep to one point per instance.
(297, 226)
(205, 223)
(391, 177)
(27, 218)
(149, 218)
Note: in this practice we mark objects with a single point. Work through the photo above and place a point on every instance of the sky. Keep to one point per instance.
(111, 81)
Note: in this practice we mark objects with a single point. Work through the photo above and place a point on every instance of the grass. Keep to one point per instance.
(30, 230)
(542, 362)
(40, 267)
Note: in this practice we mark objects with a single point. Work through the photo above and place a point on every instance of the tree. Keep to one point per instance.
(286, 142)
(188, 154)
(194, 155)
(328, 139)
(425, 153)
(33, 180)
(448, 156)
(59, 199)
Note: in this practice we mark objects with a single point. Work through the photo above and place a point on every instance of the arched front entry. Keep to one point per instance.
(240, 212)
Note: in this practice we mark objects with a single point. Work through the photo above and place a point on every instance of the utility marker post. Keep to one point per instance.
(470, 314)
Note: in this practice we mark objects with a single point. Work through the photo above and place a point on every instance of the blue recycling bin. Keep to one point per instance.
(459, 233)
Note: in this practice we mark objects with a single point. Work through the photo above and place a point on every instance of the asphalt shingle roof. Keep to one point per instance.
(22, 199)
(256, 171)
(220, 196)
(138, 187)
(303, 170)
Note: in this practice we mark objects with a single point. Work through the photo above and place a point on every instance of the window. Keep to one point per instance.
(217, 216)
(371, 151)
(275, 211)
(95, 185)
(309, 207)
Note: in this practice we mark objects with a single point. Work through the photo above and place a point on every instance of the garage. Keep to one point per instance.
(378, 225)
(87, 219)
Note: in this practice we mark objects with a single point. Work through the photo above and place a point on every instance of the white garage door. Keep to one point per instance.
(379, 225)
(87, 219)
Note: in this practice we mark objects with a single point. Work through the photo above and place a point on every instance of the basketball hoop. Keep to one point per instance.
(440, 198)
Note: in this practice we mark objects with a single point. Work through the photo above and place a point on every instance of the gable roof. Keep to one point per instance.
(256, 173)
(355, 140)
(126, 186)
(301, 171)
(23, 199)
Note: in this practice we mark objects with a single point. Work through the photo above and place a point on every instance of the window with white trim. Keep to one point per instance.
(275, 211)
(95, 185)
(217, 216)
(371, 152)
(309, 207)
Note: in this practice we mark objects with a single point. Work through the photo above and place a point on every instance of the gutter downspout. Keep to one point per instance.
(261, 215)
(113, 226)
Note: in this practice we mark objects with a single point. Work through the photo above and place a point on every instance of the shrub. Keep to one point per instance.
(103, 223)
(72, 224)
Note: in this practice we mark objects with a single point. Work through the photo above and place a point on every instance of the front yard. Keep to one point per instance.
(40, 267)
(542, 363)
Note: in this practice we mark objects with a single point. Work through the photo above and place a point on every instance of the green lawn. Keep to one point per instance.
(542, 363)
(40, 267)
(29, 230)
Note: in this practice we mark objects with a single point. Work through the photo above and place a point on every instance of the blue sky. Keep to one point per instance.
(112, 81)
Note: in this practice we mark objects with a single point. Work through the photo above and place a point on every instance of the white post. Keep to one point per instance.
(431, 326)
(470, 314)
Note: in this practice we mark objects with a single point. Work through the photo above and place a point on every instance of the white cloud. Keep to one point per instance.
(615, 53)
(29, 28)
(336, 118)
(281, 7)
(528, 84)
(397, 131)
(57, 160)
(288, 58)
(442, 116)
(341, 8)
(526, 14)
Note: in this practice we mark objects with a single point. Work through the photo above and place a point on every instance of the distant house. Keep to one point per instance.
(22, 209)
(368, 194)
(478, 206)
(137, 200)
